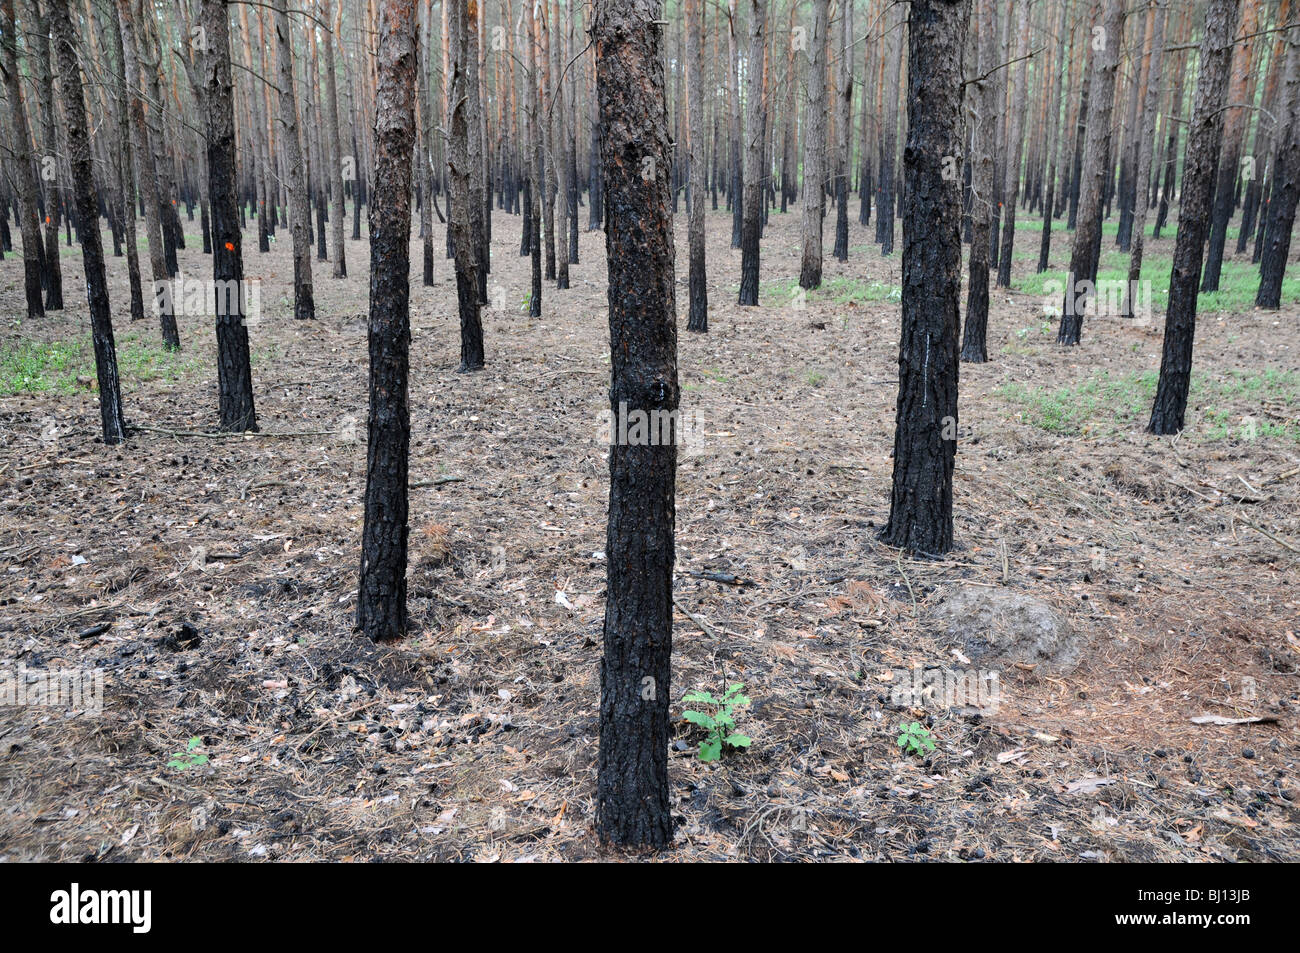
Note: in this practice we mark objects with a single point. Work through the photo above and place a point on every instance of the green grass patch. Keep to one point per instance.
(31, 367)
(1238, 284)
(837, 289)
(1236, 405)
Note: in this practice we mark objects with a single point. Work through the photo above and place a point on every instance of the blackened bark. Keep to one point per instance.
(1146, 149)
(1203, 138)
(33, 250)
(983, 124)
(1225, 192)
(44, 75)
(460, 168)
(234, 373)
(1086, 251)
(1055, 139)
(164, 301)
(1281, 209)
(814, 155)
(632, 806)
(1015, 146)
(844, 96)
(92, 251)
(753, 196)
(304, 304)
(335, 176)
(925, 446)
(889, 140)
(698, 319)
(381, 601)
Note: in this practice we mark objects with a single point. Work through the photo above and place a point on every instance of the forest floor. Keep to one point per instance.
(213, 579)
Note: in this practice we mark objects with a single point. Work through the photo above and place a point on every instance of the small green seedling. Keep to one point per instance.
(916, 739)
(189, 758)
(720, 722)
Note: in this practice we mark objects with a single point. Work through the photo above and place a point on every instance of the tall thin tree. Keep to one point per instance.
(234, 371)
(925, 429)
(632, 806)
(1203, 139)
(381, 600)
(92, 251)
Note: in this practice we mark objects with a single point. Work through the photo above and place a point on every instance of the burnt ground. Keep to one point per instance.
(213, 580)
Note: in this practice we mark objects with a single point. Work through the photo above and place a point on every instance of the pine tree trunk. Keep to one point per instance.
(460, 163)
(981, 118)
(83, 183)
(1015, 149)
(1054, 138)
(632, 804)
(381, 601)
(234, 373)
(337, 214)
(925, 446)
(1281, 208)
(885, 211)
(814, 152)
(149, 198)
(1094, 171)
(33, 250)
(844, 99)
(304, 305)
(53, 272)
(1229, 160)
(698, 319)
(1146, 149)
(1203, 140)
(753, 195)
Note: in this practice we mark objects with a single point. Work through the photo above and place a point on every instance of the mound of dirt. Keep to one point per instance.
(998, 625)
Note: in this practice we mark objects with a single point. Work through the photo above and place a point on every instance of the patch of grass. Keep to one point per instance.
(838, 289)
(1105, 404)
(32, 367)
(1238, 284)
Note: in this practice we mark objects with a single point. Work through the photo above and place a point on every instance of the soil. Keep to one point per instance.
(213, 580)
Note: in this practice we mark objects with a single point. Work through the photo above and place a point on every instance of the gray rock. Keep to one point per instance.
(992, 625)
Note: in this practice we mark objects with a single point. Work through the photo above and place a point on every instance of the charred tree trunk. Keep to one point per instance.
(885, 209)
(844, 97)
(753, 198)
(925, 445)
(234, 373)
(44, 70)
(92, 251)
(1281, 208)
(814, 154)
(460, 162)
(163, 299)
(304, 305)
(335, 178)
(983, 125)
(1086, 251)
(381, 601)
(1229, 160)
(698, 319)
(1203, 140)
(1055, 139)
(28, 217)
(1146, 150)
(632, 806)
(1015, 148)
